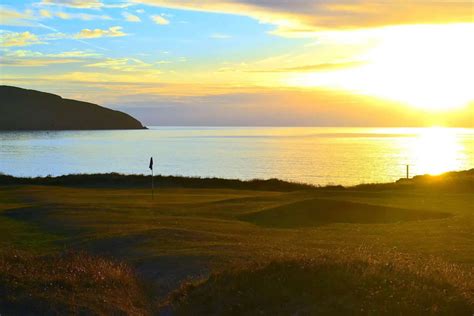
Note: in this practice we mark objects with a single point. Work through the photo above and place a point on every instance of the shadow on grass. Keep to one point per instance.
(317, 212)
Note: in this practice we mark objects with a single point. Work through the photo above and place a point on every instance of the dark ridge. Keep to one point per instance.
(22, 109)
(457, 181)
(142, 181)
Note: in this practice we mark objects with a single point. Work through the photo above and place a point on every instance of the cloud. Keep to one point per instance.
(82, 16)
(45, 14)
(313, 68)
(122, 64)
(304, 17)
(220, 36)
(130, 17)
(86, 4)
(81, 4)
(158, 19)
(11, 17)
(273, 107)
(114, 31)
(27, 58)
(9, 39)
(55, 36)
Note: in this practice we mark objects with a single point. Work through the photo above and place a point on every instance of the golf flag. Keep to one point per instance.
(152, 184)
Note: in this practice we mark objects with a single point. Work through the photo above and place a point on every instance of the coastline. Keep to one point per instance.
(457, 180)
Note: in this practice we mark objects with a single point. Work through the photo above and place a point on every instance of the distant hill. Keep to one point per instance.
(22, 109)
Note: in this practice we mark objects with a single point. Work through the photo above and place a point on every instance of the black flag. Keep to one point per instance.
(151, 164)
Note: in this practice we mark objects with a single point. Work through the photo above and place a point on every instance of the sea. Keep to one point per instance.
(315, 155)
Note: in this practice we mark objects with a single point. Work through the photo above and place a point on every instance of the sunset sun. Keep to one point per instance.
(424, 66)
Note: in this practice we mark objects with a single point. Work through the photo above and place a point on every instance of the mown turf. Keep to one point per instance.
(315, 212)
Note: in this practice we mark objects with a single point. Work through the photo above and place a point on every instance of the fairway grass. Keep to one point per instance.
(242, 237)
(314, 212)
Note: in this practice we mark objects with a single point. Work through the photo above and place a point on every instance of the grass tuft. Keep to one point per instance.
(67, 283)
(331, 284)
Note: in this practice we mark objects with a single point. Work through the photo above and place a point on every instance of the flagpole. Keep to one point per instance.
(152, 186)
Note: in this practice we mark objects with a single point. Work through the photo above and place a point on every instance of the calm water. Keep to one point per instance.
(312, 155)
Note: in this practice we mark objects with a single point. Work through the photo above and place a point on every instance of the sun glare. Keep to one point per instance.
(435, 150)
(425, 66)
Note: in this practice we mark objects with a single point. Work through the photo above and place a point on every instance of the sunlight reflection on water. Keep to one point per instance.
(312, 155)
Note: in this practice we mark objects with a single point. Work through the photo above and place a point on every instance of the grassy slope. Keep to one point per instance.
(190, 232)
(330, 283)
(72, 283)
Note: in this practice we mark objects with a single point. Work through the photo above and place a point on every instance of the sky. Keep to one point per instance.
(249, 62)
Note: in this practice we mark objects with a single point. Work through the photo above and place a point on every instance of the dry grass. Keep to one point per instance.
(333, 283)
(70, 283)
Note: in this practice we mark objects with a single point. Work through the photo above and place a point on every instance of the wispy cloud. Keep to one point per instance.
(130, 17)
(220, 36)
(81, 16)
(27, 58)
(32, 18)
(114, 31)
(81, 4)
(87, 4)
(9, 39)
(158, 19)
(121, 64)
(304, 17)
(12, 17)
(313, 67)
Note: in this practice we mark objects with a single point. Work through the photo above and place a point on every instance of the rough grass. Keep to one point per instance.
(142, 181)
(189, 233)
(457, 181)
(454, 181)
(315, 212)
(69, 283)
(332, 283)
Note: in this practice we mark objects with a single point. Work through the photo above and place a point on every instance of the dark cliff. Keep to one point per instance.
(22, 109)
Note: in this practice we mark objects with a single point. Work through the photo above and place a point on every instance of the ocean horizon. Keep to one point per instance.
(314, 155)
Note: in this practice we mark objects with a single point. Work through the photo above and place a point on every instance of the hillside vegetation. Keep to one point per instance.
(23, 109)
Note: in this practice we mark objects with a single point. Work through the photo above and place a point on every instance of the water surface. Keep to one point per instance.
(313, 155)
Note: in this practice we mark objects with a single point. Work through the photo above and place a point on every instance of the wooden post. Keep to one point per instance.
(408, 171)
